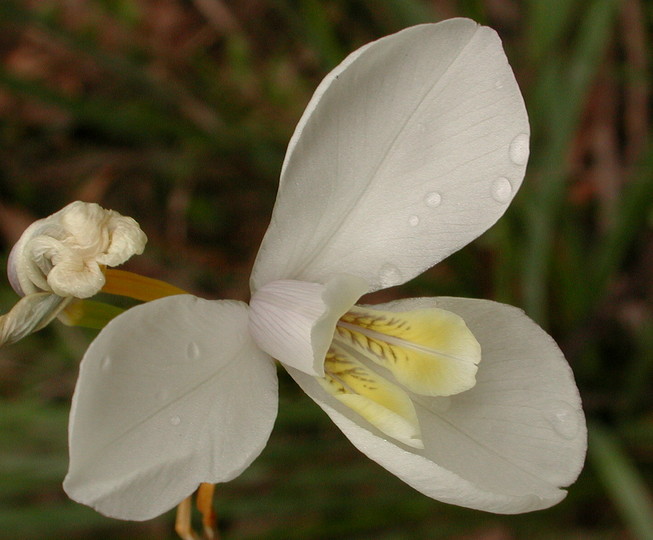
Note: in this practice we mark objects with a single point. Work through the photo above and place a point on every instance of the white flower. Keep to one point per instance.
(62, 257)
(409, 149)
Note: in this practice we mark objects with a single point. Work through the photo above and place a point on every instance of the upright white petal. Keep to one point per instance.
(170, 394)
(507, 445)
(409, 149)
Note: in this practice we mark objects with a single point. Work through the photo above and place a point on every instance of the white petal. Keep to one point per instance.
(170, 394)
(294, 321)
(409, 149)
(508, 444)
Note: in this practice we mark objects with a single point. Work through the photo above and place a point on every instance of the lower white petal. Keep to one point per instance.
(507, 445)
(170, 394)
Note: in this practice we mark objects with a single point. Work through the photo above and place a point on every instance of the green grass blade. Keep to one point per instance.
(134, 120)
(573, 80)
(548, 20)
(320, 33)
(635, 207)
(405, 12)
(622, 482)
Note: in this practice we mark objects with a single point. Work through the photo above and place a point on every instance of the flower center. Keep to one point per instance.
(379, 360)
(294, 321)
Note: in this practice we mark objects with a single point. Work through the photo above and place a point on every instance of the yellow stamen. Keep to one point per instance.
(135, 286)
(385, 405)
(429, 351)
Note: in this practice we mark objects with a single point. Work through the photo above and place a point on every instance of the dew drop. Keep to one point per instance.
(565, 420)
(498, 84)
(105, 363)
(501, 190)
(389, 275)
(518, 150)
(413, 221)
(192, 351)
(175, 420)
(433, 199)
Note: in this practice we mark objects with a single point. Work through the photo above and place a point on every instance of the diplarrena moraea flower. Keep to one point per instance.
(63, 258)
(412, 147)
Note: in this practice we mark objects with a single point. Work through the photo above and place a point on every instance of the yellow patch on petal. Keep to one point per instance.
(383, 404)
(429, 351)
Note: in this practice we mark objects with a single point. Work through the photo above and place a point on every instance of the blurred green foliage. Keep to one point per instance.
(177, 112)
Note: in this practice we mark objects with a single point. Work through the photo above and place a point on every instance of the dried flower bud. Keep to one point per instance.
(65, 253)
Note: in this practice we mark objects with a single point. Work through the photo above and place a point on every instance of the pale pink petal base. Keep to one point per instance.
(294, 321)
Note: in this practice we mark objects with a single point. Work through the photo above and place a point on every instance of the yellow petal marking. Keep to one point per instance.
(429, 351)
(135, 286)
(382, 403)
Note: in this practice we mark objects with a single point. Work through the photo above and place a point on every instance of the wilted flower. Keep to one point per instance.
(409, 149)
(64, 257)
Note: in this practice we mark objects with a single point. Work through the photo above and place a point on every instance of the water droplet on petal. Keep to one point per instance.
(498, 84)
(501, 190)
(518, 151)
(433, 199)
(192, 351)
(175, 420)
(565, 419)
(389, 275)
(105, 363)
(413, 221)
